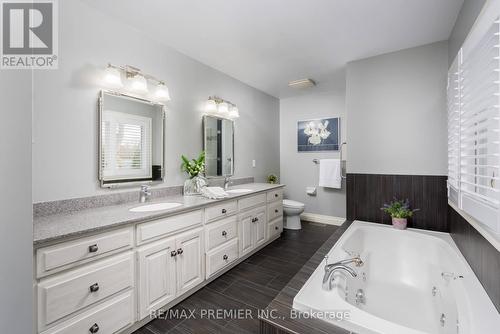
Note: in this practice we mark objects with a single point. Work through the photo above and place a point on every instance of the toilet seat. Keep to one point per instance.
(287, 203)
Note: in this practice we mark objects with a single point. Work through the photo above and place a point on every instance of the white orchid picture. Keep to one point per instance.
(318, 135)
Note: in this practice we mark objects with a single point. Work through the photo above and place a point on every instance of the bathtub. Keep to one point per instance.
(411, 282)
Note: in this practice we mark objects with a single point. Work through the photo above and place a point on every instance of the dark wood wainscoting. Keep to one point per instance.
(366, 193)
(482, 256)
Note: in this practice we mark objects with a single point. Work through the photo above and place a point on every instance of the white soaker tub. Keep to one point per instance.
(404, 288)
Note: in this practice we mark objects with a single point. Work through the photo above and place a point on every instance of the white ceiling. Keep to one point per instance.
(267, 43)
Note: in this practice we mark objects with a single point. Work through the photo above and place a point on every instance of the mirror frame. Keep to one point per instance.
(115, 183)
(205, 146)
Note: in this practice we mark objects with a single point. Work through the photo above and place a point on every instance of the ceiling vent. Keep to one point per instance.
(302, 83)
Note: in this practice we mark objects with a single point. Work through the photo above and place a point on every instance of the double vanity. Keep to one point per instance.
(107, 269)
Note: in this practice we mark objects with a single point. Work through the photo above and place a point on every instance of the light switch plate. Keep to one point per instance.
(253, 163)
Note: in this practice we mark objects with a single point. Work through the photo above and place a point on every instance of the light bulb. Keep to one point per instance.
(233, 112)
(223, 108)
(138, 83)
(210, 106)
(161, 93)
(112, 78)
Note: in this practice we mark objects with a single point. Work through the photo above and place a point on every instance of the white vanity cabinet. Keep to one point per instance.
(108, 282)
(253, 229)
(168, 268)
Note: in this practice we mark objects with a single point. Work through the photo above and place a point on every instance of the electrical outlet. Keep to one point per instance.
(253, 163)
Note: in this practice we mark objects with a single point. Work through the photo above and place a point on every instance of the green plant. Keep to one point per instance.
(194, 166)
(271, 178)
(399, 209)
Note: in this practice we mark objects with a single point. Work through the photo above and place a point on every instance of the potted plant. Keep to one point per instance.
(194, 168)
(400, 212)
(272, 179)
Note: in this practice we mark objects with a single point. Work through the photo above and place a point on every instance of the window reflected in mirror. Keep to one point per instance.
(219, 146)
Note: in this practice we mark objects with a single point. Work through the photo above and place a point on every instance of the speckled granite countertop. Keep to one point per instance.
(52, 228)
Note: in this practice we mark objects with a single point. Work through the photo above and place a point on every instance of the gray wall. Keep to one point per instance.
(396, 112)
(466, 18)
(65, 123)
(16, 226)
(297, 169)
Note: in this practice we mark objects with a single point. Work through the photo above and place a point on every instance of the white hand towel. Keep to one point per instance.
(329, 173)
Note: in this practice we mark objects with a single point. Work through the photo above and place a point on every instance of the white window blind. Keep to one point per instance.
(474, 121)
(127, 146)
(453, 93)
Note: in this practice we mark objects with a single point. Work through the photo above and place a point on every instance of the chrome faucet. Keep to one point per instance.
(227, 182)
(341, 265)
(144, 194)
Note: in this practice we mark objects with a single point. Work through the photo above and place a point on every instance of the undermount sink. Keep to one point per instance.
(155, 207)
(238, 191)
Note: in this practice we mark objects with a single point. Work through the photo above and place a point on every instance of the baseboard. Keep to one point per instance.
(322, 219)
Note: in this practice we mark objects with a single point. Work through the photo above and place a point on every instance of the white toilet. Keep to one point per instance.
(292, 210)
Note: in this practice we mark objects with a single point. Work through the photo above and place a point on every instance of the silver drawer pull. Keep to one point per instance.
(276, 227)
(224, 210)
(224, 233)
(180, 251)
(94, 287)
(93, 248)
(225, 257)
(173, 253)
(94, 329)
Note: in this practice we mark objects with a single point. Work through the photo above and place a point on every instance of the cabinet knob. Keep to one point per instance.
(94, 287)
(224, 233)
(275, 195)
(253, 220)
(94, 329)
(224, 210)
(225, 257)
(256, 219)
(276, 227)
(276, 210)
(93, 248)
(180, 251)
(173, 253)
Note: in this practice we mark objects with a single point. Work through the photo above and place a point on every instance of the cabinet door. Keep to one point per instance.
(260, 227)
(156, 275)
(245, 232)
(190, 268)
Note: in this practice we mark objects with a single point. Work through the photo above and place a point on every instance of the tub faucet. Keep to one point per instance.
(341, 265)
(144, 194)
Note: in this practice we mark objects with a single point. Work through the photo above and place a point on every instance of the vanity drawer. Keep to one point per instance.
(68, 254)
(275, 210)
(220, 232)
(163, 227)
(275, 227)
(222, 210)
(109, 317)
(275, 195)
(250, 202)
(221, 257)
(69, 292)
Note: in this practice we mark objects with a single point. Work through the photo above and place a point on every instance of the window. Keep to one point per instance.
(474, 122)
(126, 153)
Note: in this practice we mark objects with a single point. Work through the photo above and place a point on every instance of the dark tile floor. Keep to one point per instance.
(247, 288)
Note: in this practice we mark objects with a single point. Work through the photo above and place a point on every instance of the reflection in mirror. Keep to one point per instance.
(131, 140)
(218, 140)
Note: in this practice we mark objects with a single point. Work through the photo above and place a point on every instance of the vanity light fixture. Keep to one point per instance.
(221, 108)
(112, 78)
(162, 93)
(137, 82)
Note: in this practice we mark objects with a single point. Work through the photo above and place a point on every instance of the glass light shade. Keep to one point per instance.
(223, 108)
(112, 78)
(233, 112)
(210, 107)
(161, 93)
(138, 83)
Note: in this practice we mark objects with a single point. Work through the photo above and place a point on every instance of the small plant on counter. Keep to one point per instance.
(193, 167)
(400, 211)
(272, 179)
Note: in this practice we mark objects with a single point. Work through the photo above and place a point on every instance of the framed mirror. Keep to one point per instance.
(218, 143)
(131, 140)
